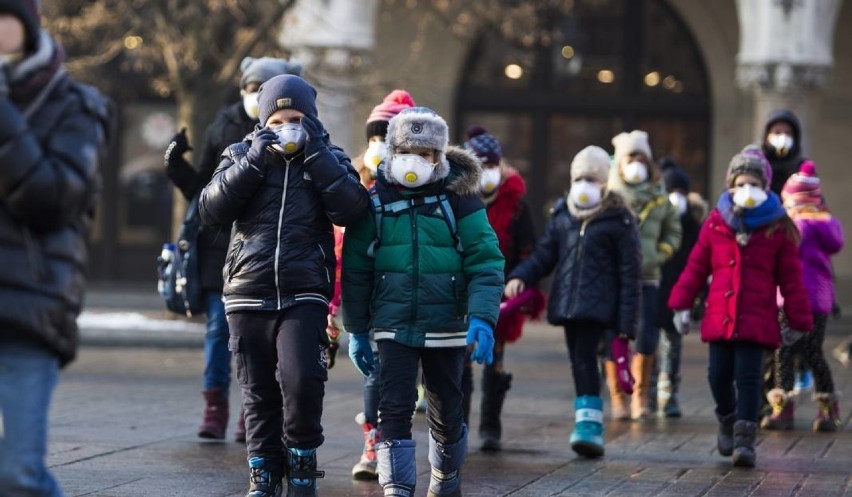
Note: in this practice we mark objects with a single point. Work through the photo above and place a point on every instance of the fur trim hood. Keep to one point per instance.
(460, 168)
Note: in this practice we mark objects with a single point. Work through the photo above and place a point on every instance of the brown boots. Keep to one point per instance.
(618, 399)
(215, 421)
(641, 366)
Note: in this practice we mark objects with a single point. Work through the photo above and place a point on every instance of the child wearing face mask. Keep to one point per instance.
(822, 237)
(423, 274)
(367, 165)
(591, 245)
(637, 178)
(502, 190)
(281, 189)
(691, 209)
(748, 247)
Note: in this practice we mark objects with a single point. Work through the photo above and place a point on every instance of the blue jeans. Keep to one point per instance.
(648, 337)
(28, 375)
(734, 373)
(217, 358)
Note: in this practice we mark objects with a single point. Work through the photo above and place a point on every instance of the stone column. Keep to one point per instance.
(785, 55)
(333, 38)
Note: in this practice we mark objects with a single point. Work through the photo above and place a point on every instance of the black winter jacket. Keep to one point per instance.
(49, 183)
(597, 265)
(231, 125)
(282, 251)
(783, 167)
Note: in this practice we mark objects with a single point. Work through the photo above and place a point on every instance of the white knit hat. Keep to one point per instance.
(591, 161)
(627, 143)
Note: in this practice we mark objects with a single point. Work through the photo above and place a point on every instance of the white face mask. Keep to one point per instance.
(635, 172)
(411, 170)
(490, 180)
(585, 194)
(679, 201)
(781, 142)
(291, 138)
(375, 154)
(749, 196)
(250, 105)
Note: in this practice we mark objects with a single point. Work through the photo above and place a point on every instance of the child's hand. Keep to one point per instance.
(682, 320)
(480, 332)
(361, 352)
(790, 336)
(514, 288)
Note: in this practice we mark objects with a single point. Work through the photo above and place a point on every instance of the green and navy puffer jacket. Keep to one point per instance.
(419, 289)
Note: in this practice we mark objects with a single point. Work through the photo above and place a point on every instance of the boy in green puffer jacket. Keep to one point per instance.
(423, 273)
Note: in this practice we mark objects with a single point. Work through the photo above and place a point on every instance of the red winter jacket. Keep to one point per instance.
(741, 303)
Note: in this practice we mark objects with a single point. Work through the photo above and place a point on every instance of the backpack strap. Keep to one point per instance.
(379, 209)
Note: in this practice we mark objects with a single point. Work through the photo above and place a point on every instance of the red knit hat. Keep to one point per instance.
(803, 188)
(394, 103)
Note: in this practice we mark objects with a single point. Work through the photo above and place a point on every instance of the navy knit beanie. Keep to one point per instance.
(29, 12)
(673, 176)
(286, 92)
(483, 145)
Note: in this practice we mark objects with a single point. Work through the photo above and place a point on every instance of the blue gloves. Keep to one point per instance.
(480, 332)
(316, 134)
(257, 153)
(361, 352)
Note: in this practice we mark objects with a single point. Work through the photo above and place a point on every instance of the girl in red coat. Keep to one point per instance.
(748, 247)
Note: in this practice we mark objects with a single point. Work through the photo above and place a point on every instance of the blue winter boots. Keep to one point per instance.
(446, 461)
(587, 438)
(302, 473)
(397, 470)
(265, 479)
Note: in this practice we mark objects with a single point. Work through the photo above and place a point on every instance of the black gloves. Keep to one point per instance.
(4, 80)
(261, 139)
(316, 133)
(177, 147)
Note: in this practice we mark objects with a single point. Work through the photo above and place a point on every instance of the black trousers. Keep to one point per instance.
(809, 349)
(583, 339)
(442, 377)
(281, 367)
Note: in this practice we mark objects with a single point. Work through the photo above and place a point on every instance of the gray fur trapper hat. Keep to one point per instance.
(418, 127)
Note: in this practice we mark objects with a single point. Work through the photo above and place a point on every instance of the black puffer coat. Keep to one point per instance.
(596, 264)
(282, 252)
(231, 125)
(49, 183)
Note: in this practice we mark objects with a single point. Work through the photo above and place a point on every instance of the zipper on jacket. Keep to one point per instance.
(415, 277)
(327, 276)
(280, 224)
(577, 262)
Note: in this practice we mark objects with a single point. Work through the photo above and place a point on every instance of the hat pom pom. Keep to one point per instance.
(401, 97)
(475, 130)
(808, 168)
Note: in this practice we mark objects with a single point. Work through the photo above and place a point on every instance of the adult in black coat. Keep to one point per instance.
(782, 146)
(281, 189)
(52, 135)
(231, 125)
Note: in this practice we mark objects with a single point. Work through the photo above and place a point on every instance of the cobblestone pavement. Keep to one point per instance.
(124, 419)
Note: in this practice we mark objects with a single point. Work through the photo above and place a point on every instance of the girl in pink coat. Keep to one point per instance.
(748, 248)
(822, 237)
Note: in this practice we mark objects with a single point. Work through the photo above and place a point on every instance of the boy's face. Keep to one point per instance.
(12, 35)
(284, 116)
(426, 153)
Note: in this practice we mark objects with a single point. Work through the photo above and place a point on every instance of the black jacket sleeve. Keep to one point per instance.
(542, 260)
(345, 199)
(48, 186)
(190, 180)
(524, 236)
(629, 257)
(234, 184)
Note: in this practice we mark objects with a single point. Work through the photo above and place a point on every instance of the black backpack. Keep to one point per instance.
(179, 274)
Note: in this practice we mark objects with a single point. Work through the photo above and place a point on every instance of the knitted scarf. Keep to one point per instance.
(33, 73)
(747, 220)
